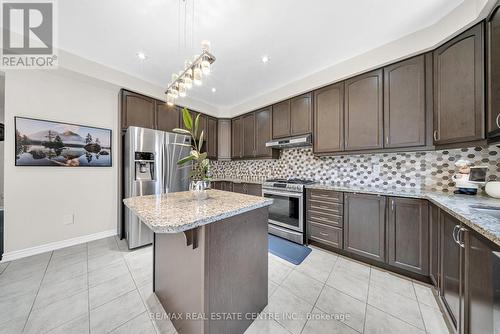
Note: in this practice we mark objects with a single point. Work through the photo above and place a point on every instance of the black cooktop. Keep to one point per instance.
(292, 181)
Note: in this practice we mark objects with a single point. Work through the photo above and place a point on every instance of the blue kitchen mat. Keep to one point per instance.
(287, 250)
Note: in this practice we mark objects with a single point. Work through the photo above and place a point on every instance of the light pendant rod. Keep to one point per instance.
(196, 62)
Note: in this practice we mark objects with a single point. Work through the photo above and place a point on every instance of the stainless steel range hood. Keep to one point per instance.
(298, 141)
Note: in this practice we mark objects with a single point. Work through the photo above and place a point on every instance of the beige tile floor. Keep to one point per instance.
(101, 287)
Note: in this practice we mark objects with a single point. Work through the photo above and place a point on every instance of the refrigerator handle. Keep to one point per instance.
(163, 181)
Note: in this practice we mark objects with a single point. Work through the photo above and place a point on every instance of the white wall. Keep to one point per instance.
(36, 198)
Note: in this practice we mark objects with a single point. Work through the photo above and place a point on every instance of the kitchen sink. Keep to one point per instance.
(488, 209)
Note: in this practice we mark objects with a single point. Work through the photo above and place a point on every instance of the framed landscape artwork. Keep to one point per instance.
(48, 143)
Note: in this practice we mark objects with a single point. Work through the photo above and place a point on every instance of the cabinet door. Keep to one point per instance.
(408, 234)
(364, 225)
(249, 135)
(459, 89)
(493, 72)
(263, 132)
(364, 112)
(239, 188)
(281, 119)
(212, 138)
(237, 138)
(167, 118)
(253, 189)
(404, 103)
(329, 119)
(224, 139)
(482, 281)
(218, 185)
(137, 110)
(228, 186)
(451, 256)
(434, 245)
(301, 115)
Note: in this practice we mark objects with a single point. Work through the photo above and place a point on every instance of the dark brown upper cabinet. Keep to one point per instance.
(408, 234)
(364, 225)
(459, 89)
(329, 119)
(301, 115)
(212, 140)
(137, 110)
(281, 119)
(263, 133)
(364, 112)
(237, 138)
(493, 72)
(249, 135)
(404, 103)
(167, 118)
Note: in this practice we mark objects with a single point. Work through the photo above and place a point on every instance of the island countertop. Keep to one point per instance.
(180, 211)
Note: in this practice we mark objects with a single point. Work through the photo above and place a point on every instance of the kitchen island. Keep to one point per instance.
(209, 258)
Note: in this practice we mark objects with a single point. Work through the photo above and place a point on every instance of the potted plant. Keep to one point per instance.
(200, 170)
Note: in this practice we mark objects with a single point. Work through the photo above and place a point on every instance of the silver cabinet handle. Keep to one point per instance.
(392, 205)
(387, 140)
(454, 233)
(461, 243)
(498, 120)
(323, 234)
(436, 138)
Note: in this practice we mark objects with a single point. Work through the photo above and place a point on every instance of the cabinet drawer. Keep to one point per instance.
(332, 220)
(331, 236)
(326, 195)
(326, 207)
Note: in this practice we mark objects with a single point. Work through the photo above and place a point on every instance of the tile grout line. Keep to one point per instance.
(419, 309)
(322, 288)
(37, 291)
(137, 289)
(367, 296)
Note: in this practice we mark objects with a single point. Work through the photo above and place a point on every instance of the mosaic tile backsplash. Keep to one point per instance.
(430, 170)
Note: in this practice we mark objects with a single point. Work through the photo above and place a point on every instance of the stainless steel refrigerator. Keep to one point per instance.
(150, 167)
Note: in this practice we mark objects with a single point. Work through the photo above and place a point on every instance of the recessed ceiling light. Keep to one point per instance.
(142, 56)
(265, 59)
(214, 90)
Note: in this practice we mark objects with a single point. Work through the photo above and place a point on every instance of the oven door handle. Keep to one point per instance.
(285, 194)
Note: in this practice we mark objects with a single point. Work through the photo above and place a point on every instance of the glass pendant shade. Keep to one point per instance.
(170, 99)
(182, 89)
(197, 75)
(188, 79)
(205, 65)
(174, 91)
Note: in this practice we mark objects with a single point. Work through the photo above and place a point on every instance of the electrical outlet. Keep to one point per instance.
(69, 219)
(376, 169)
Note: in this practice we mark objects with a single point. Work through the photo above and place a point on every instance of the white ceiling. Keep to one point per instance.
(300, 37)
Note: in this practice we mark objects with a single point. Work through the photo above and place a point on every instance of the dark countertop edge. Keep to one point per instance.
(198, 223)
(427, 195)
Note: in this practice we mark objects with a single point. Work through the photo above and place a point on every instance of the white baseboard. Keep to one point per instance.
(14, 255)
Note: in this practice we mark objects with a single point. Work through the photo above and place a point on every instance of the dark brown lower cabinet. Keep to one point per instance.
(408, 234)
(253, 189)
(364, 225)
(451, 269)
(434, 245)
(239, 188)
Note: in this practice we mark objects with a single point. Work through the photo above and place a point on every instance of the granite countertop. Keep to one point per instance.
(254, 181)
(180, 211)
(456, 205)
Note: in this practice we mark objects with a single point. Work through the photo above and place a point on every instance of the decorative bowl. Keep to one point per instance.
(493, 189)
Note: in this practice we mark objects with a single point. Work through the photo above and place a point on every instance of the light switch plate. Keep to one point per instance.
(69, 219)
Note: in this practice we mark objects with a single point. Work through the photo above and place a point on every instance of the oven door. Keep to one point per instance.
(287, 209)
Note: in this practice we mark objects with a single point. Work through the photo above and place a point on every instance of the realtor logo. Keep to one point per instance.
(28, 35)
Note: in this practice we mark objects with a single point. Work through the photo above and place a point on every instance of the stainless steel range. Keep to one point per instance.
(287, 214)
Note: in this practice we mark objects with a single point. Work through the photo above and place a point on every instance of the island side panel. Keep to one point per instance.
(237, 269)
(179, 278)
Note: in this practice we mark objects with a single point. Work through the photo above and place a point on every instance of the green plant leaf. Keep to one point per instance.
(195, 154)
(183, 131)
(196, 125)
(185, 160)
(200, 143)
(186, 117)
